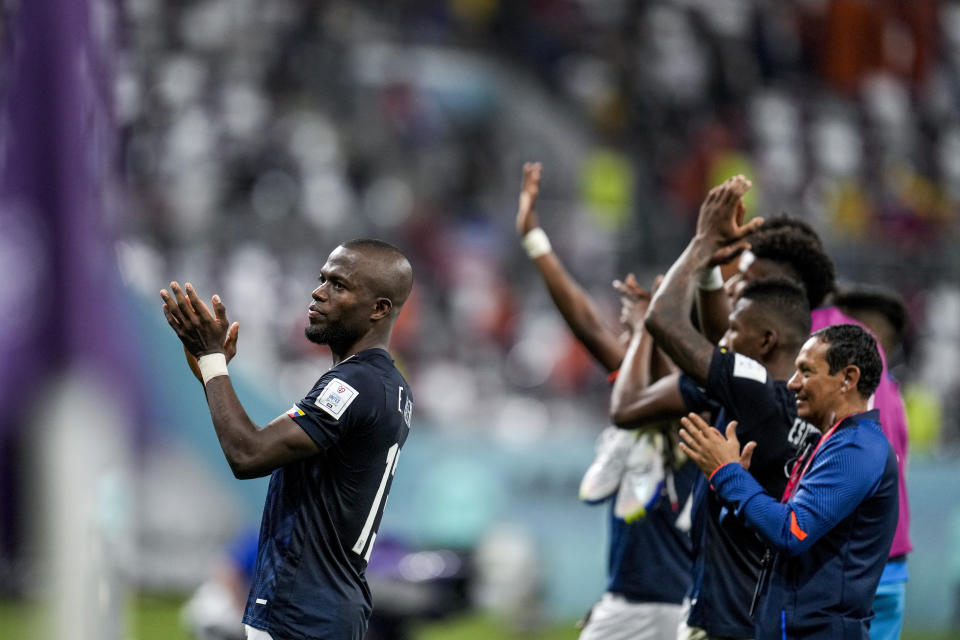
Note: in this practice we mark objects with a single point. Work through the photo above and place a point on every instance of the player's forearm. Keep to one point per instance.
(235, 431)
(661, 399)
(660, 365)
(580, 313)
(668, 319)
(634, 376)
(713, 311)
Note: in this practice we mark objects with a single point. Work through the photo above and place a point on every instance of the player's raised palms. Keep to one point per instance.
(634, 301)
(721, 219)
(530, 189)
(198, 329)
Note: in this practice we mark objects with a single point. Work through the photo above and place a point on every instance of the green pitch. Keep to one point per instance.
(157, 618)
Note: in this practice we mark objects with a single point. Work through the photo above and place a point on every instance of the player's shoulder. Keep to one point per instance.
(872, 436)
(863, 432)
(862, 450)
(371, 372)
(740, 367)
(741, 379)
(368, 367)
(358, 375)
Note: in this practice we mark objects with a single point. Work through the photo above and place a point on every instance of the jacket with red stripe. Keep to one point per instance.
(832, 537)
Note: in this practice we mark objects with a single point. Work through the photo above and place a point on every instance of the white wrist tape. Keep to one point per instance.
(212, 365)
(711, 280)
(536, 243)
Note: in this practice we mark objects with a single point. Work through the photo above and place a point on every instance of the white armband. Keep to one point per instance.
(211, 366)
(536, 243)
(711, 280)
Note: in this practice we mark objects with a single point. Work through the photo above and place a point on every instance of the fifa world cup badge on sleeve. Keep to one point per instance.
(336, 397)
(744, 367)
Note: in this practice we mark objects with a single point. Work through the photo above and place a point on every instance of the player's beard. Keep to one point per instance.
(334, 334)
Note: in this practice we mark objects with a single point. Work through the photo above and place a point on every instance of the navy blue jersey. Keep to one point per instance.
(727, 553)
(650, 558)
(322, 513)
(833, 536)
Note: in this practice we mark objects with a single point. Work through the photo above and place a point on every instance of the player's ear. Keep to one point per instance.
(768, 341)
(851, 376)
(382, 308)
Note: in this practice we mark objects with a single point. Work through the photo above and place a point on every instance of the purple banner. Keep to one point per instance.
(58, 288)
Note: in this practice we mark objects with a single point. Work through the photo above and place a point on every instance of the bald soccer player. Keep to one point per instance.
(331, 458)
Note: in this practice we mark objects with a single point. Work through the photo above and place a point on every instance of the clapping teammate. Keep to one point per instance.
(331, 458)
(833, 525)
(789, 248)
(745, 376)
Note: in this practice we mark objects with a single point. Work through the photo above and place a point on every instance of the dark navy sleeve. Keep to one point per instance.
(340, 401)
(846, 470)
(694, 397)
(748, 393)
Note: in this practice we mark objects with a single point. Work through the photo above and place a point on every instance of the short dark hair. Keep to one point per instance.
(785, 299)
(865, 297)
(784, 221)
(802, 254)
(852, 344)
(370, 243)
(390, 274)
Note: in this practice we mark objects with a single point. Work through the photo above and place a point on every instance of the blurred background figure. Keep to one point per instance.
(214, 610)
(139, 134)
(408, 586)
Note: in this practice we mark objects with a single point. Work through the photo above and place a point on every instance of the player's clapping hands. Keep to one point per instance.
(200, 331)
(708, 448)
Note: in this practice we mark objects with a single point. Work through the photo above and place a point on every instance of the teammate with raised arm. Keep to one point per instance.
(331, 458)
(649, 558)
(744, 379)
(834, 524)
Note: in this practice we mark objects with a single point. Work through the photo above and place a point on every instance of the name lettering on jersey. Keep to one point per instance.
(336, 397)
(802, 436)
(405, 408)
(799, 432)
(744, 367)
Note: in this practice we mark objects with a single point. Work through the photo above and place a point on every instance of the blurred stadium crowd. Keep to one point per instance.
(258, 135)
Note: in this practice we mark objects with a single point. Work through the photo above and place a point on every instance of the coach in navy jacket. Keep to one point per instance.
(832, 529)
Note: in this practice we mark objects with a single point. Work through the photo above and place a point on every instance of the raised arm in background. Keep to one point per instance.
(641, 395)
(713, 300)
(575, 305)
(719, 238)
(713, 312)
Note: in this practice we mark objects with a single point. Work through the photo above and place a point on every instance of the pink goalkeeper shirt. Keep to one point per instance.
(893, 421)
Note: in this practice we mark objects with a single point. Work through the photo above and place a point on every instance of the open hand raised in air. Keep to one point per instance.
(721, 219)
(530, 189)
(634, 302)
